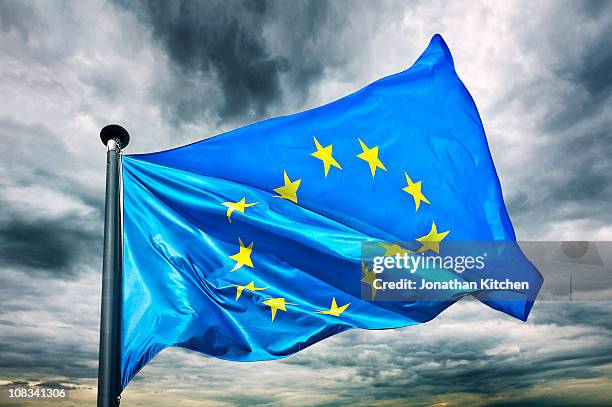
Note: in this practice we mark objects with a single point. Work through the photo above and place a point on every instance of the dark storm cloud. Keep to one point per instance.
(223, 44)
(49, 245)
(57, 385)
(592, 72)
(595, 314)
(572, 177)
(464, 351)
(574, 181)
(590, 77)
(49, 326)
(449, 363)
(38, 235)
(49, 359)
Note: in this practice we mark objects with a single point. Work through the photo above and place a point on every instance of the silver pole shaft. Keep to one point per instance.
(109, 368)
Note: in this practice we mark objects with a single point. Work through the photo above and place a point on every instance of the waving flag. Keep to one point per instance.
(248, 245)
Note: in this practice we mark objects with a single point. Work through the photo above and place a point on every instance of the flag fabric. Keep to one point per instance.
(247, 246)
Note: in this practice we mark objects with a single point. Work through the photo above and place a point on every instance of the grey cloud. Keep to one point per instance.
(440, 363)
(45, 384)
(223, 62)
(16, 16)
(553, 401)
(44, 352)
(570, 177)
(463, 352)
(51, 245)
(73, 66)
(592, 70)
(17, 383)
(38, 235)
(107, 83)
(49, 328)
(594, 314)
(218, 39)
(57, 385)
(49, 362)
(37, 33)
(34, 154)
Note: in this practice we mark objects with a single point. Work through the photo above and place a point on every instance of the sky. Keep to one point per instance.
(177, 72)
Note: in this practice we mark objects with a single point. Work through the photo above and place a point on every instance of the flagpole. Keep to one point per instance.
(109, 369)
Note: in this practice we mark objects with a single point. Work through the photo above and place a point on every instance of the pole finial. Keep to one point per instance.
(115, 132)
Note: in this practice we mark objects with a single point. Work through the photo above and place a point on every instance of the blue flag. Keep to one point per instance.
(249, 245)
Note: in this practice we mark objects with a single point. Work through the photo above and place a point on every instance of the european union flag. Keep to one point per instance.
(248, 246)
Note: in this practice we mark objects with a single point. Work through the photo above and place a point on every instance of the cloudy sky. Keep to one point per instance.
(179, 71)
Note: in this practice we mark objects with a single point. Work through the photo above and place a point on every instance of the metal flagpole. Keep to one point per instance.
(109, 369)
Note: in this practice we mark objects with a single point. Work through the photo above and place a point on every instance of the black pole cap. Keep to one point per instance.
(114, 131)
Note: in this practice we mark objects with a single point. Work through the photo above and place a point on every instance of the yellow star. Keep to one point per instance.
(249, 287)
(431, 241)
(239, 206)
(393, 249)
(368, 278)
(276, 304)
(334, 309)
(370, 155)
(414, 189)
(289, 190)
(325, 154)
(243, 257)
